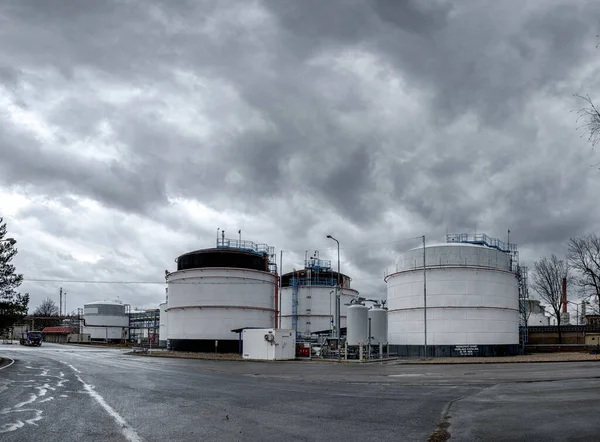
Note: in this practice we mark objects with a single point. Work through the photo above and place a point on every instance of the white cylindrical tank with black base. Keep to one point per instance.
(472, 302)
(378, 318)
(357, 331)
(215, 291)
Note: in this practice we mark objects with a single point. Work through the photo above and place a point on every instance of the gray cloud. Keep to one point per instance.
(370, 120)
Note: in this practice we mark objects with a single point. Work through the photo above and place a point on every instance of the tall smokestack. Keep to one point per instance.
(564, 295)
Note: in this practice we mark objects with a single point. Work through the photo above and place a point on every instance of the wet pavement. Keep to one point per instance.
(60, 392)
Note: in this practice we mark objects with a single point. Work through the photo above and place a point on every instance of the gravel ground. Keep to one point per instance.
(535, 357)
(185, 355)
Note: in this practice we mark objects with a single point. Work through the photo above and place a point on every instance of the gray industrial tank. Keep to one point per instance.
(378, 318)
(357, 325)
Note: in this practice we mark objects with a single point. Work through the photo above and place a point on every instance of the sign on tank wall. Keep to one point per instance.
(467, 350)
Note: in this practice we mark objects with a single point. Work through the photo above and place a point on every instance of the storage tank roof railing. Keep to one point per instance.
(317, 264)
(482, 239)
(316, 281)
(247, 246)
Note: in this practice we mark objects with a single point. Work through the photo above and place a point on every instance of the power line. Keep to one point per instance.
(412, 238)
(82, 281)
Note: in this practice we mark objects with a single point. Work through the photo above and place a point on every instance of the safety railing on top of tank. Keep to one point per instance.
(328, 282)
(250, 246)
(483, 239)
(317, 264)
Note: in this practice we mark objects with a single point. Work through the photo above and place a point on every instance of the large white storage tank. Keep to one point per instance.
(472, 299)
(162, 329)
(312, 290)
(106, 320)
(358, 325)
(215, 291)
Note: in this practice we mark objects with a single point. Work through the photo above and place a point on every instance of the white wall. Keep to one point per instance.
(162, 330)
(538, 319)
(465, 306)
(209, 303)
(102, 333)
(315, 307)
(283, 346)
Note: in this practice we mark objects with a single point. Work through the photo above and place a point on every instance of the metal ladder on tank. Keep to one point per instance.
(523, 300)
(295, 290)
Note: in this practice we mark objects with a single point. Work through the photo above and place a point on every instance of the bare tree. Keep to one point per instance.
(584, 257)
(591, 120)
(589, 116)
(47, 308)
(548, 274)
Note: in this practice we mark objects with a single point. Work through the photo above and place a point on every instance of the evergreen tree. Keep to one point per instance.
(13, 305)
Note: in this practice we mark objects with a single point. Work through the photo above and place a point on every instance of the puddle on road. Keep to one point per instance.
(26, 411)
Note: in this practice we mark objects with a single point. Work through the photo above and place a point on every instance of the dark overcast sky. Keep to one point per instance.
(131, 130)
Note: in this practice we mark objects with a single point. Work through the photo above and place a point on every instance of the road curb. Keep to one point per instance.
(499, 362)
(6, 362)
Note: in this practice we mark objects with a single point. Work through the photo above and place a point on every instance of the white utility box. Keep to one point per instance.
(269, 344)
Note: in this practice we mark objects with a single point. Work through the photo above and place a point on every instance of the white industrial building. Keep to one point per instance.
(106, 321)
(472, 298)
(536, 314)
(269, 344)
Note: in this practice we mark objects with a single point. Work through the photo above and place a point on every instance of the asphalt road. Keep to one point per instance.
(58, 393)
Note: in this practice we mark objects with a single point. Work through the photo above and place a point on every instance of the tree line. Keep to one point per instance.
(581, 269)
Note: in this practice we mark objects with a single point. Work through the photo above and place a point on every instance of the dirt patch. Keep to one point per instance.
(441, 433)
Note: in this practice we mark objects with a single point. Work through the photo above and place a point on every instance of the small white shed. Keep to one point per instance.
(269, 344)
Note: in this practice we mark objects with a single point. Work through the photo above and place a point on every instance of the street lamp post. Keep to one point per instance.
(337, 293)
(577, 313)
(576, 308)
(424, 301)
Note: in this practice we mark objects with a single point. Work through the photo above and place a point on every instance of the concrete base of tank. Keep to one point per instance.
(438, 351)
(204, 345)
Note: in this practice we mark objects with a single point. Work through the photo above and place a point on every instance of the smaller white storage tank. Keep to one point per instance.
(269, 344)
(106, 321)
(357, 331)
(378, 319)
(162, 330)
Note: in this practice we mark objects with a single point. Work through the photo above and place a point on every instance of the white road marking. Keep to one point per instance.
(38, 417)
(12, 361)
(73, 368)
(31, 399)
(404, 375)
(51, 398)
(126, 429)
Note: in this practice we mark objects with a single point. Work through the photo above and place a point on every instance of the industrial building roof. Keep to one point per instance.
(57, 330)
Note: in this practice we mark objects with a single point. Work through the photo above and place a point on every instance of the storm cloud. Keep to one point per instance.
(130, 131)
